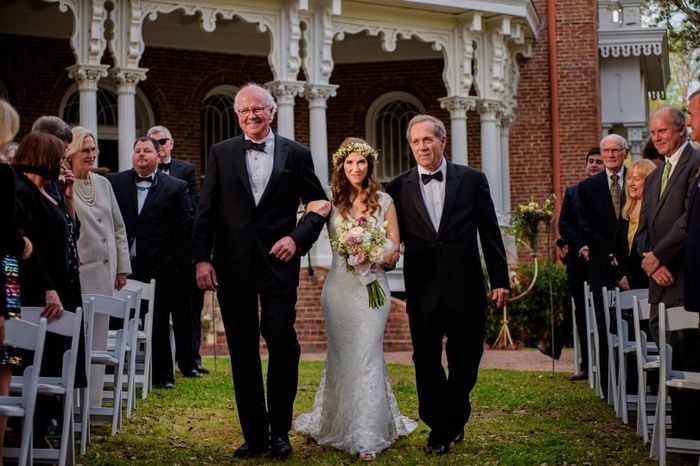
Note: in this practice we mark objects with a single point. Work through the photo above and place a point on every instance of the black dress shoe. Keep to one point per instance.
(201, 369)
(164, 386)
(547, 351)
(580, 375)
(190, 373)
(248, 451)
(280, 448)
(437, 448)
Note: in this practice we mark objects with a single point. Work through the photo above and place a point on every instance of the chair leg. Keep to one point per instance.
(84, 420)
(622, 387)
(116, 415)
(66, 428)
(131, 384)
(146, 370)
(26, 444)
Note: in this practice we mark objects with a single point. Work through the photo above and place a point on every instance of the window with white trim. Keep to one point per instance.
(218, 119)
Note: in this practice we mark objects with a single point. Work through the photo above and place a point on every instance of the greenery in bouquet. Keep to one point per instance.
(362, 243)
(527, 218)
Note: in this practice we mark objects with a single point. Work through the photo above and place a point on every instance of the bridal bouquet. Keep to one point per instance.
(362, 243)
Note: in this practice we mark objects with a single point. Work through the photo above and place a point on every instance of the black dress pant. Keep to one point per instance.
(244, 322)
(443, 400)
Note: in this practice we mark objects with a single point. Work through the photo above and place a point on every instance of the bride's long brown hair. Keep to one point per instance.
(341, 188)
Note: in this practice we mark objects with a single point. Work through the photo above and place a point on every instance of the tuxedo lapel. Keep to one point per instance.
(280, 159)
(130, 185)
(239, 161)
(414, 191)
(451, 189)
(677, 171)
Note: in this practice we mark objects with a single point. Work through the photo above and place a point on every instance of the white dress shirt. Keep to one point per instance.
(434, 193)
(142, 188)
(673, 159)
(259, 166)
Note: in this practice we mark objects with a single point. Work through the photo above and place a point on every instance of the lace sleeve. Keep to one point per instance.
(385, 201)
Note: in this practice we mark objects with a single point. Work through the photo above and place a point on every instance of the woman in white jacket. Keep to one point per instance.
(102, 246)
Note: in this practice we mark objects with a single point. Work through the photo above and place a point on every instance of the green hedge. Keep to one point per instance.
(528, 317)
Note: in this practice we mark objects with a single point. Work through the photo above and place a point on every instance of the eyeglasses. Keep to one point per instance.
(163, 141)
(246, 111)
(612, 151)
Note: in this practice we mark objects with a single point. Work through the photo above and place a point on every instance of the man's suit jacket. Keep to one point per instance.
(662, 223)
(570, 231)
(188, 173)
(162, 229)
(444, 267)
(597, 218)
(239, 234)
(692, 249)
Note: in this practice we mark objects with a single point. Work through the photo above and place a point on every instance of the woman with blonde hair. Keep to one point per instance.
(102, 247)
(355, 409)
(629, 263)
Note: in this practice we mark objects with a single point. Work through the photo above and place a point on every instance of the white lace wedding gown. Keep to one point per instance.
(355, 409)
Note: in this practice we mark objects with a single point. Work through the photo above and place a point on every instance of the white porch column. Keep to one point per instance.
(317, 95)
(126, 92)
(458, 108)
(506, 122)
(635, 140)
(491, 151)
(87, 77)
(285, 92)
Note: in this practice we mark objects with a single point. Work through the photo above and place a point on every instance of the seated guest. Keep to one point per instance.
(102, 247)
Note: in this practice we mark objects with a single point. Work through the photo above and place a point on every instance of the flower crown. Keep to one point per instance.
(347, 149)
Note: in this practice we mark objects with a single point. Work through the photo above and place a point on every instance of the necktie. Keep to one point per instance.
(248, 145)
(144, 178)
(615, 193)
(425, 177)
(664, 177)
(164, 167)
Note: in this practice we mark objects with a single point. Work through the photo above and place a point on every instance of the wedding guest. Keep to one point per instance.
(355, 409)
(50, 276)
(102, 247)
(650, 153)
(442, 207)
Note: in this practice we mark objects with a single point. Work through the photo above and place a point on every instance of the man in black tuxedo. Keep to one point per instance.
(248, 247)
(692, 245)
(441, 207)
(570, 244)
(661, 239)
(601, 198)
(187, 330)
(158, 218)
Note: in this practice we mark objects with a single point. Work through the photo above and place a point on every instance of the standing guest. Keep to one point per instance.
(692, 248)
(50, 276)
(186, 316)
(629, 262)
(441, 208)
(158, 217)
(600, 200)
(56, 127)
(576, 269)
(660, 238)
(102, 247)
(12, 247)
(248, 247)
(694, 118)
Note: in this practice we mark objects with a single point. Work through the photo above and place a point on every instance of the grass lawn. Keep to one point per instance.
(518, 418)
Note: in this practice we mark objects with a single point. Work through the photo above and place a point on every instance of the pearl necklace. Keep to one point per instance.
(87, 197)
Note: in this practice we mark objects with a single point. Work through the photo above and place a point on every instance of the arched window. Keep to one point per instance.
(107, 119)
(387, 120)
(218, 119)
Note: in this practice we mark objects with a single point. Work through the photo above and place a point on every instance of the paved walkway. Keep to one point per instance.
(522, 359)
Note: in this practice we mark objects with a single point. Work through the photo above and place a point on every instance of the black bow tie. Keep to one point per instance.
(425, 177)
(164, 166)
(144, 178)
(248, 145)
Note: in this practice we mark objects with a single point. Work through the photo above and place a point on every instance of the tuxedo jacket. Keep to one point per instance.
(234, 233)
(570, 231)
(692, 249)
(597, 218)
(162, 229)
(443, 267)
(188, 173)
(662, 223)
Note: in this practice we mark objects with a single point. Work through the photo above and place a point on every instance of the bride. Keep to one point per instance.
(355, 409)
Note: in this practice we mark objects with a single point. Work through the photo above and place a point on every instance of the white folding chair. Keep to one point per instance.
(647, 361)
(134, 298)
(118, 309)
(577, 340)
(67, 325)
(144, 337)
(672, 319)
(613, 343)
(591, 330)
(626, 348)
(28, 336)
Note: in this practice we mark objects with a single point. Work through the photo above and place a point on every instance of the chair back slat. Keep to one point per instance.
(109, 305)
(677, 318)
(624, 298)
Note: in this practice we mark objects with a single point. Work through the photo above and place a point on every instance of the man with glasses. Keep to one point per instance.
(661, 238)
(248, 248)
(601, 198)
(186, 319)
